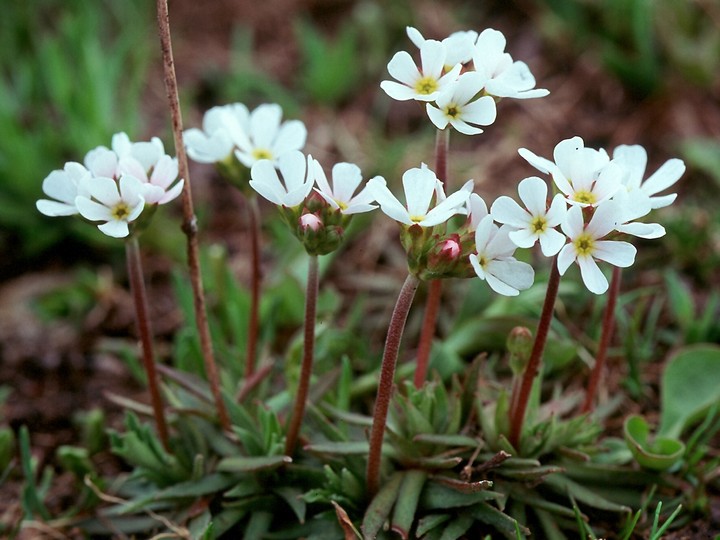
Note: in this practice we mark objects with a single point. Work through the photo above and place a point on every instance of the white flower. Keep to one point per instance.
(585, 245)
(252, 136)
(634, 205)
(114, 206)
(494, 261)
(458, 45)
(585, 175)
(455, 105)
(476, 210)
(634, 160)
(346, 178)
(63, 186)
(505, 78)
(423, 84)
(297, 180)
(420, 186)
(535, 221)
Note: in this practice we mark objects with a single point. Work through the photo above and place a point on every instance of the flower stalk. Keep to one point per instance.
(307, 359)
(522, 391)
(137, 288)
(255, 280)
(385, 385)
(432, 305)
(189, 225)
(608, 326)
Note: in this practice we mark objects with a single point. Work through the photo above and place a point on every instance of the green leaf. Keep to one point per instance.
(562, 484)
(293, 497)
(689, 387)
(349, 448)
(379, 509)
(659, 454)
(252, 463)
(407, 502)
(501, 521)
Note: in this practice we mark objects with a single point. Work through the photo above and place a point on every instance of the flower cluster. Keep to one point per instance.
(114, 185)
(454, 92)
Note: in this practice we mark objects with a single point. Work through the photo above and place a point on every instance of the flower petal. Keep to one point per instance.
(551, 242)
(264, 123)
(115, 228)
(402, 68)
(592, 276)
(506, 210)
(669, 173)
(92, 210)
(620, 254)
(533, 194)
(291, 136)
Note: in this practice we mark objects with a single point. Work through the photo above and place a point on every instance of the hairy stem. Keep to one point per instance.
(608, 327)
(189, 220)
(432, 304)
(385, 385)
(137, 287)
(256, 278)
(520, 400)
(307, 360)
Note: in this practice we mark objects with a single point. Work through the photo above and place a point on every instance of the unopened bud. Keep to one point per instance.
(519, 344)
(450, 248)
(310, 221)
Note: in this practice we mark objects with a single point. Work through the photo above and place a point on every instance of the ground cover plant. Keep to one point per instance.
(285, 408)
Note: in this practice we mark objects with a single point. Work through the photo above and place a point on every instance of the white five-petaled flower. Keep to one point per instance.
(252, 136)
(535, 222)
(633, 158)
(458, 45)
(505, 78)
(585, 175)
(455, 105)
(346, 178)
(424, 84)
(494, 262)
(114, 205)
(586, 245)
(63, 186)
(476, 211)
(420, 186)
(297, 179)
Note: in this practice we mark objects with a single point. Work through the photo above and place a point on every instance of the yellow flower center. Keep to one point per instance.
(262, 153)
(341, 204)
(120, 211)
(426, 85)
(584, 244)
(583, 196)
(416, 219)
(452, 111)
(482, 261)
(538, 224)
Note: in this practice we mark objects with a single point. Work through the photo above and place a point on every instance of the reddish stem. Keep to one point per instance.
(432, 304)
(307, 360)
(256, 278)
(520, 400)
(189, 220)
(387, 375)
(137, 287)
(605, 337)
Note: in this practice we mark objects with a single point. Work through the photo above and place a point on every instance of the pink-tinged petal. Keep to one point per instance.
(346, 179)
(464, 128)
(558, 211)
(604, 220)
(173, 192)
(321, 179)
(59, 185)
(524, 238)
(551, 242)
(152, 194)
(515, 274)
(592, 276)
(147, 153)
(662, 202)
(573, 225)
(432, 55)
(91, 210)
(482, 112)
(398, 91)
(55, 209)
(165, 172)
(669, 173)
(633, 158)
(264, 124)
(620, 254)
(415, 36)
(115, 229)
(292, 136)
(130, 165)
(468, 85)
(389, 204)
(506, 210)
(402, 68)
(643, 230)
(437, 117)
(104, 190)
(565, 258)
(419, 188)
(533, 194)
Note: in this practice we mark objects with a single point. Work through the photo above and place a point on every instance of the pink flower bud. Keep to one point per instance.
(310, 221)
(450, 248)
